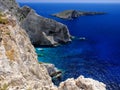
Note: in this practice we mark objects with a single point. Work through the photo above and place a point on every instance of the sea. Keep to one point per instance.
(96, 57)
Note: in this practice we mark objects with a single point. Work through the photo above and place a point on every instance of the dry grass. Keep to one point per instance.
(3, 20)
(4, 87)
(10, 54)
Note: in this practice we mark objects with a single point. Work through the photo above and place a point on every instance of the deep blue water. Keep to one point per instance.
(97, 57)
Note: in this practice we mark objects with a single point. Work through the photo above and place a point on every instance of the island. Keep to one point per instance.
(72, 14)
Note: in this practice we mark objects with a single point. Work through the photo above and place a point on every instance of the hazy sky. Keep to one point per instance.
(110, 1)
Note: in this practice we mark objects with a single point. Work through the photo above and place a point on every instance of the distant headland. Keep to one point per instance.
(72, 14)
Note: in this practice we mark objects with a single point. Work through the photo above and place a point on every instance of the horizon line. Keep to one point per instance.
(68, 2)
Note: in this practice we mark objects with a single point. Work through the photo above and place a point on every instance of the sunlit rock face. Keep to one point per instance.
(19, 68)
(82, 83)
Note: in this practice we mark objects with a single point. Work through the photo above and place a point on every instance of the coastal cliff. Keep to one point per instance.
(42, 31)
(45, 31)
(19, 67)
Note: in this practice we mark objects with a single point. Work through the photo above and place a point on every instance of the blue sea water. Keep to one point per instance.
(97, 57)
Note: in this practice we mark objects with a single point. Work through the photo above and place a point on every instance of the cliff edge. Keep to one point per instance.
(19, 68)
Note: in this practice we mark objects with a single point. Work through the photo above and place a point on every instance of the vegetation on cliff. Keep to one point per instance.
(3, 19)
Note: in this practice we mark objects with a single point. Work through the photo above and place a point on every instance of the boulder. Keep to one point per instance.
(82, 83)
(53, 71)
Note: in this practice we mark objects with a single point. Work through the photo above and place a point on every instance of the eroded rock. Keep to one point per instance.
(82, 83)
(43, 31)
(19, 68)
(52, 70)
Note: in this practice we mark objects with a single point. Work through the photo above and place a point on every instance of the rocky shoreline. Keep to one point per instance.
(19, 67)
(72, 14)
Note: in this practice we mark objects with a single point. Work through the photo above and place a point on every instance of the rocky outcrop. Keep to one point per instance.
(10, 5)
(81, 83)
(53, 71)
(42, 31)
(72, 14)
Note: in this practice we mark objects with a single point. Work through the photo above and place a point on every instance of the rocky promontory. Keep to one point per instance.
(42, 31)
(72, 14)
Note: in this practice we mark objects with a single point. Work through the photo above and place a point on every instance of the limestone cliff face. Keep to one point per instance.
(20, 70)
(8, 4)
(42, 31)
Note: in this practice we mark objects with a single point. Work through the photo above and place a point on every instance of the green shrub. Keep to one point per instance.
(40, 62)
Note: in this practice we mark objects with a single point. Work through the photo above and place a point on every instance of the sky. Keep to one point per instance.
(71, 1)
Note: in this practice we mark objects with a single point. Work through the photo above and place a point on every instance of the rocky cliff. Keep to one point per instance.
(19, 68)
(45, 31)
(42, 31)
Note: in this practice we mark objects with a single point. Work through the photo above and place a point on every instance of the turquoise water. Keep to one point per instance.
(97, 57)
